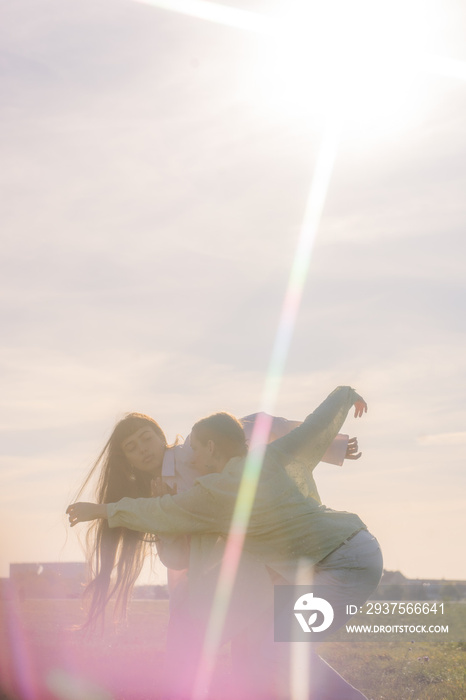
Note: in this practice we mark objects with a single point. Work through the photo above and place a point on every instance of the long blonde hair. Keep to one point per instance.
(118, 549)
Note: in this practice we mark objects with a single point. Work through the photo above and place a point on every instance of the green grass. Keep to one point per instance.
(407, 667)
(37, 642)
(401, 670)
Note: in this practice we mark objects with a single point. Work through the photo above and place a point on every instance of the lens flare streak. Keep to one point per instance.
(250, 21)
(261, 431)
(219, 14)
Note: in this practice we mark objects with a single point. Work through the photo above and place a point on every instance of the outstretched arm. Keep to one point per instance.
(310, 440)
(192, 511)
(340, 449)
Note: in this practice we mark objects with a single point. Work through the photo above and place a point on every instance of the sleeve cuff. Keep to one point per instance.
(111, 514)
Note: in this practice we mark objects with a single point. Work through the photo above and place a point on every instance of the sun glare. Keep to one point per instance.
(359, 59)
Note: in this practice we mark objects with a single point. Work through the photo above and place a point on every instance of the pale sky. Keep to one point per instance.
(152, 198)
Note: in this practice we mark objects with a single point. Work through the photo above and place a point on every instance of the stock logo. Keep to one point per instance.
(303, 613)
(312, 606)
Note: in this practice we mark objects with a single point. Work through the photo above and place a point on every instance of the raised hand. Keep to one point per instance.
(360, 407)
(352, 449)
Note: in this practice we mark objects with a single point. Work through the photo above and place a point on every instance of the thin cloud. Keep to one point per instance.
(443, 439)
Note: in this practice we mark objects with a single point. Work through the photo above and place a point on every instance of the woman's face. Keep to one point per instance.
(144, 450)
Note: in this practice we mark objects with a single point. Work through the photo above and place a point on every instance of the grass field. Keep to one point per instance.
(42, 658)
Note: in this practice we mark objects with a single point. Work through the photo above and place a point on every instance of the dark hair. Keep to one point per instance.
(225, 431)
(120, 548)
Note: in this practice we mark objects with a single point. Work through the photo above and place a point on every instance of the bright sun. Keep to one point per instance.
(359, 58)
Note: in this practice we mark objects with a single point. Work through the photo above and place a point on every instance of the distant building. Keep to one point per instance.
(48, 580)
(395, 586)
(5, 588)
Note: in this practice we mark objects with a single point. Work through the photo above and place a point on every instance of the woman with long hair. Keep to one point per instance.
(130, 460)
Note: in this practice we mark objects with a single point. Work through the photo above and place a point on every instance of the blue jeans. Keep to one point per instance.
(352, 572)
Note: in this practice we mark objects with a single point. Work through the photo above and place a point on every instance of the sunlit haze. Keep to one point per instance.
(365, 61)
(157, 170)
